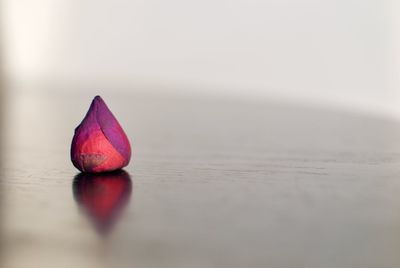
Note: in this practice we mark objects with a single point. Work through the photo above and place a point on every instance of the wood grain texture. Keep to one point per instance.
(215, 183)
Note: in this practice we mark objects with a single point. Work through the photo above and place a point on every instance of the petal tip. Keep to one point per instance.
(98, 98)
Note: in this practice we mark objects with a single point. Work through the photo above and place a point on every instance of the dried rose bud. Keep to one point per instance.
(99, 143)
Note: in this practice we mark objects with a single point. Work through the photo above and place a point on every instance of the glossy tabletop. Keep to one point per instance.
(212, 183)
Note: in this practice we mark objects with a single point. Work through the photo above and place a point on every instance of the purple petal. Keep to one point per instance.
(110, 127)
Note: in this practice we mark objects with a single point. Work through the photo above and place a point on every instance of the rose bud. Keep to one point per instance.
(99, 143)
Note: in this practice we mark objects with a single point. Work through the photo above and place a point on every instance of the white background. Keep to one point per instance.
(342, 53)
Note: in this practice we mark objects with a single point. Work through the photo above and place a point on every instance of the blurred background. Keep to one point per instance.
(331, 53)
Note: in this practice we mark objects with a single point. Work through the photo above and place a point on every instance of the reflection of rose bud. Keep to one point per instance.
(99, 143)
(103, 196)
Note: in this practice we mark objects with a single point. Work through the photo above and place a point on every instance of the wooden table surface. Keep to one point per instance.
(213, 183)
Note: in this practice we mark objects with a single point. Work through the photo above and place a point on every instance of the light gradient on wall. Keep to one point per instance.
(340, 53)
